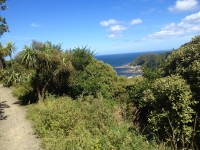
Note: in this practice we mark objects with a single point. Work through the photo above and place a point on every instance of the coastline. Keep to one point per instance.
(121, 62)
(137, 70)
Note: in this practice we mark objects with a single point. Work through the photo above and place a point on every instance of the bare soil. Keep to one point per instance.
(16, 132)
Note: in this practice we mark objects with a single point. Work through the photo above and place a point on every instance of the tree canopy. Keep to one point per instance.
(47, 61)
(3, 23)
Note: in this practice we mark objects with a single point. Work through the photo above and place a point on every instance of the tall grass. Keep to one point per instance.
(65, 124)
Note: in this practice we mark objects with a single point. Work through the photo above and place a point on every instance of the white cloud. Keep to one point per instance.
(116, 31)
(117, 28)
(192, 18)
(189, 25)
(114, 36)
(109, 22)
(114, 27)
(35, 25)
(136, 21)
(111, 35)
(184, 5)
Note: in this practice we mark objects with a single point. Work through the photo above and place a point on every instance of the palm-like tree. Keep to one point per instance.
(5, 51)
(10, 49)
(47, 61)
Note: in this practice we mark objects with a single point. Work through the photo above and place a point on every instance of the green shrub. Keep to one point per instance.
(81, 57)
(185, 61)
(97, 78)
(24, 92)
(83, 124)
(118, 89)
(170, 112)
(136, 109)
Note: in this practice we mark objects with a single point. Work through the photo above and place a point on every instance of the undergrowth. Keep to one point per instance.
(66, 124)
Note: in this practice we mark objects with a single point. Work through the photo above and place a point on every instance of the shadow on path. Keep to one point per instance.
(3, 105)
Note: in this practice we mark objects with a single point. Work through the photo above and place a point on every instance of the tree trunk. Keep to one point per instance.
(41, 94)
(42, 91)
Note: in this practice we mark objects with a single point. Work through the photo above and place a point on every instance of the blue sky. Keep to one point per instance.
(106, 26)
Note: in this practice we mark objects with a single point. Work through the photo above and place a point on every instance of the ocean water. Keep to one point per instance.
(116, 60)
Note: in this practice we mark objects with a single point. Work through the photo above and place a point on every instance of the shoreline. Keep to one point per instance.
(130, 69)
(134, 70)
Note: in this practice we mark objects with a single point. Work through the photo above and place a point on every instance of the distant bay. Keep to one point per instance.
(116, 60)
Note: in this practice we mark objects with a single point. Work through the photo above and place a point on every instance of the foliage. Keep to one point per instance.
(169, 107)
(146, 59)
(150, 74)
(119, 91)
(163, 103)
(3, 23)
(151, 64)
(185, 62)
(96, 78)
(10, 77)
(24, 90)
(136, 110)
(81, 57)
(136, 87)
(151, 60)
(6, 50)
(170, 113)
(25, 93)
(87, 124)
(47, 61)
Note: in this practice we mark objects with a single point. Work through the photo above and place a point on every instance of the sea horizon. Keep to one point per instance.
(133, 52)
(122, 59)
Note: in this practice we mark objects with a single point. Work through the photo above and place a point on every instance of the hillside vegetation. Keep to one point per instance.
(89, 123)
(81, 103)
(150, 60)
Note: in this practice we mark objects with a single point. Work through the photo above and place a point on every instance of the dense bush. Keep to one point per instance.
(86, 124)
(97, 78)
(170, 114)
(81, 57)
(135, 108)
(118, 89)
(185, 62)
(47, 61)
(169, 107)
(25, 92)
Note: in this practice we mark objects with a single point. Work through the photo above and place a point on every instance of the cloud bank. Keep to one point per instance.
(189, 25)
(184, 5)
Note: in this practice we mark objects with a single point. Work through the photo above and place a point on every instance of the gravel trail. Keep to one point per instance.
(16, 132)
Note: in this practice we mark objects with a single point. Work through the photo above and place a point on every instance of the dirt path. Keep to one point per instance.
(15, 131)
